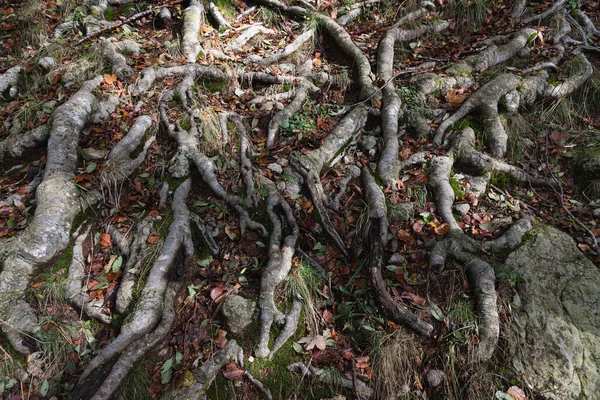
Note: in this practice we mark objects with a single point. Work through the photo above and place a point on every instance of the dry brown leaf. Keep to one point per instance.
(516, 393)
(110, 79)
(105, 240)
(233, 372)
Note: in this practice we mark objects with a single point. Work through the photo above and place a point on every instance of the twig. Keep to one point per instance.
(134, 17)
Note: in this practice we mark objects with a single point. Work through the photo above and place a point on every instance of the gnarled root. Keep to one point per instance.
(76, 283)
(135, 257)
(309, 165)
(58, 202)
(207, 373)
(281, 250)
(377, 232)
(113, 52)
(481, 277)
(177, 249)
(331, 378)
(17, 143)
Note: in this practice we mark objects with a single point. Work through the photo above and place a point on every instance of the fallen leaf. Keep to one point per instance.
(328, 316)
(233, 372)
(312, 341)
(110, 79)
(154, 238)
(221, 339)
(441, 229)
(105, 240)
(516, 393)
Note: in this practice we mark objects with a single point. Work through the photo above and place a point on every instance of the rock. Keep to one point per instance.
(435, 377)
(462, 208)
(46, 63)
(555, 344)
(283, 162)
(478, 183)
(238, 312)
(401, 212)
(275, 168)
(95, 154)
(596, 212)
(397, 259)
(367, 143)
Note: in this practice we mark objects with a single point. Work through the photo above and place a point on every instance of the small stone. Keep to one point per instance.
(368, 142)
(397, 259)
(462, 209)
(394, 245)
(284, 162)
(46, 63)
(275, 168)
(354, 170)
(596, 212)
(435, 377)
(95, 154)
(281, 186)
(401, 212)
(238, 313)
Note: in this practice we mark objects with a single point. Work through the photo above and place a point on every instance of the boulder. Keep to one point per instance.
(555, 343)
(238, 313)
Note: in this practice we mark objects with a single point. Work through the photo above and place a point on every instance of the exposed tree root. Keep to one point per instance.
(218, 17)
(176, 251)
(58, 203)
(286, 52)
(207, 373)
(135, 257)
(112, 52)
(77, 280)
(377, 231)
(310, 165)
(388, 167)
(331, 378)
(193, 17)
(8, 83)
(281, 250)
(189, 151)
(16, 144)
(150, 74)
(245, 159)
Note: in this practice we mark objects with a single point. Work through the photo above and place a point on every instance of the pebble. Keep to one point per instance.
(275, 168)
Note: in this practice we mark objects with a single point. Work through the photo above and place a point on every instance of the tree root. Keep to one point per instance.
(245, 159)
(310, 165)
(281, 250)
(103, 385)
(188, 151)
(150, 74)
(77, 280)
(176, 251)
(193, 17)
(112, 52)
(286, 52)
(16, 144)
(218, 17)
(556, 7)
(388, 167)
(8, 83)
(120, 164)
(377, 232)
(135, 256)
(206, 374)
(58, 202)
(363, 392)
(481, 277)
(238, 43)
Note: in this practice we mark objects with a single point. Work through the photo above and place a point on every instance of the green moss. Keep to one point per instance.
(226, 8)
(185, 123)
(213, 86)
(528, 236)
(136, 383)
(457, 188)
(502, 180)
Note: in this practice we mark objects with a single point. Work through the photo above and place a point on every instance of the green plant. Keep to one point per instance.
(298, 124)
(467, 13)
(457, 188)
(573, 5)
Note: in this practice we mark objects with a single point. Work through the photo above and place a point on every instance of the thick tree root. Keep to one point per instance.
(218, 17)
(104, 384)
(245, 158)
(150, 74)
(189, 151)
(77, 280)
(58, 203)
(388, 167)
(363, 392)
(8, 83)
(286, 52)
(177, 249)
(113, 52)
(206, 374)
(16, 144)
(377, 231)
(281, 250)
(193, 17)
(481, 277)
(135, 257)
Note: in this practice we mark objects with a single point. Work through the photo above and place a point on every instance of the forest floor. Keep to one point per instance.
(344, 327)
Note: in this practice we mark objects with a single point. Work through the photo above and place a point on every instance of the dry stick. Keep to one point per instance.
(129, 20)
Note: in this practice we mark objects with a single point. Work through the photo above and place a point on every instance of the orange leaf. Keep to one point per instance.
(441, 229)
(105, 240)
(110, 79)
(233, 372)
(154, 238)
(516, 393)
